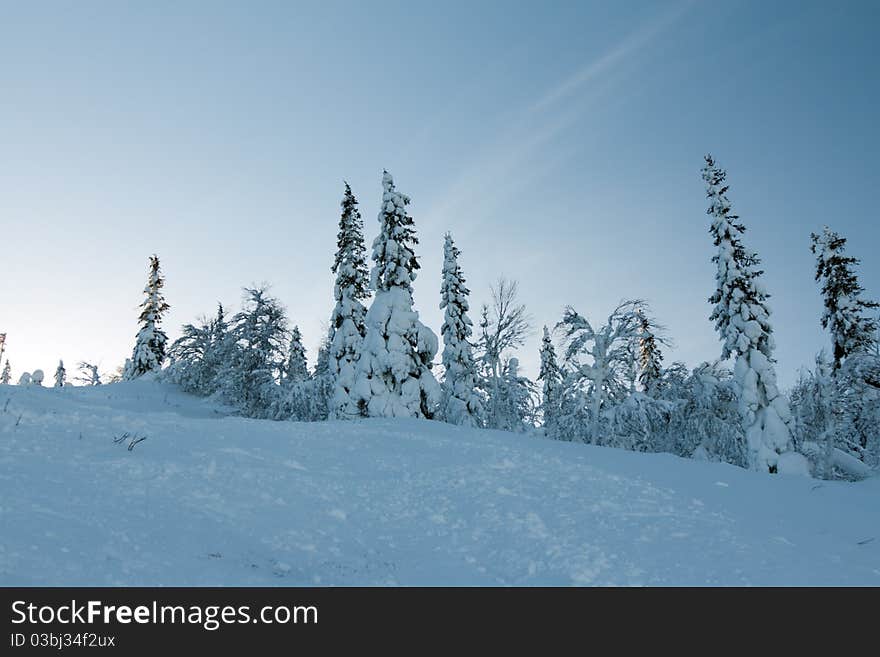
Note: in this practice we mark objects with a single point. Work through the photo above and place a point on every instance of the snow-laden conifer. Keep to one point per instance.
(393, 377)
(149, 349)
(551, 378)
(296, 370)
(649, 352)
(460, 400)
(347, 327)
(742, 319)
(60, 375)
(851, 329)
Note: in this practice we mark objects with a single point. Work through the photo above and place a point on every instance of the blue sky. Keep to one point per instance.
(560, 142)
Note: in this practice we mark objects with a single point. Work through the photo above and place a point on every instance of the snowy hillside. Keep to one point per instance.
(208, 499)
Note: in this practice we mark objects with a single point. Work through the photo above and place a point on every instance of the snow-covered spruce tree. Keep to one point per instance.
(257, 350)
(298, 395)
(322, 360)
(460, 401)
(219, 351)
(6, 375)
(851, 329)
(650, 355)
(347, 322)
(393, 373)
(149, 349)
(322, 379)
(551, 377)
(742, 319)
(296, 370)
(60, 375)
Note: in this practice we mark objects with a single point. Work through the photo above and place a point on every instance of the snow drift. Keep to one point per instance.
(137, 483)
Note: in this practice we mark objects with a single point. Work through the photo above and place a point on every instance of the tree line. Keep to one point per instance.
(602, 383)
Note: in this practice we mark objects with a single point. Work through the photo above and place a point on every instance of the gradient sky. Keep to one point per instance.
(560, 142)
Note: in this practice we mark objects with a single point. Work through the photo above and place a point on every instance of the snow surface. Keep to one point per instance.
(210, 499)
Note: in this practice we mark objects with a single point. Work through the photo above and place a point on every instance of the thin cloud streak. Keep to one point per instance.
(633, 43)
(489, 178)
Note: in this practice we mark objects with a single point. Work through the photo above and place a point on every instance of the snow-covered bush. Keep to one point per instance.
(516, 405)
(257, 351)
(703, 421)
(638, 423)
(837, 417)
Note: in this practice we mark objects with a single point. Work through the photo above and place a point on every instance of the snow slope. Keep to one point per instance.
(209, 499)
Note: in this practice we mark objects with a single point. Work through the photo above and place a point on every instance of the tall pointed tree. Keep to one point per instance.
(650, 355)
(220, 350)
(394, 377)
(60, 375)
(551, 378)
(347, 327)
(851, 329)
(219, 326)
(322, 360)
(149, 349)
(460, 401)
(296, 370)
(742, 319)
